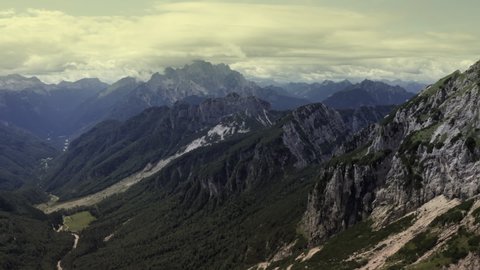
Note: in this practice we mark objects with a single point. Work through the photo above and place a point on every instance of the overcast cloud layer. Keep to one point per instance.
(285, 41)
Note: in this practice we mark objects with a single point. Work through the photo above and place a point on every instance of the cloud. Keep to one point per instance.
(278, 41)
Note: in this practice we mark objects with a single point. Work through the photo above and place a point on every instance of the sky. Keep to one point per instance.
(301, 40)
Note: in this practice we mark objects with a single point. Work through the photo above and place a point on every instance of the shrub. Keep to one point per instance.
(471, 144)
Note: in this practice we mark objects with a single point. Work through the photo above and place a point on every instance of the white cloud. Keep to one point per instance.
(283, 42)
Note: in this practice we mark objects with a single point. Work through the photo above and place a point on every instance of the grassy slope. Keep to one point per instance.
(457, 247)
(78, 221)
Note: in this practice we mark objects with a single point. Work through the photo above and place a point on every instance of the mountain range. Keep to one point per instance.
(367, 93)
(199, 168)
(67, 109)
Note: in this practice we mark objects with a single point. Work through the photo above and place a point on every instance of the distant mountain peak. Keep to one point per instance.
(206, 64)
(367, 82)
(204, 68)
(368, 93)
(199, 78)
(195, 70)
(19, 77)
(83, 84)
(327, 82)
(16, 82)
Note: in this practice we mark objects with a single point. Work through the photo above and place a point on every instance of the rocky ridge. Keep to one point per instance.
(428, 147)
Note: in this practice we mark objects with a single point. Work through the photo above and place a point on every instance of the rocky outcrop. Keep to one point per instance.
(430, 146)
(439, 154)
(312, 133)
(471, 262)
(359, 118)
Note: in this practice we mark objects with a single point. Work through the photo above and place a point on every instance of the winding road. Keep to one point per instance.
(75, 243)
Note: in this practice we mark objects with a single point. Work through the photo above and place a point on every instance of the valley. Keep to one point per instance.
(54, 205)
(352, 187)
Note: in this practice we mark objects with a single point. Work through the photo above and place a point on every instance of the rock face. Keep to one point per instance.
(441, 151)
(359, 118)
(472, 261)
(430, 146)
(312, 133)
(315, 132)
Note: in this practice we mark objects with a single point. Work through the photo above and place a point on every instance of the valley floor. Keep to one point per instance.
(119, 187)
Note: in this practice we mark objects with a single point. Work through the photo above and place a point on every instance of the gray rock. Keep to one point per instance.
(433, 146)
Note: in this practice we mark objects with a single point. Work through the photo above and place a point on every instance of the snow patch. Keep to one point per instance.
(220, 131)
(195, 144)
(266, 117)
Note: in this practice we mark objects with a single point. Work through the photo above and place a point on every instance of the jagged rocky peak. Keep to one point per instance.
(204, 68)
(200, 79)
(234, 103)
(440, 151)
(199, 71)
(312, 133)
(359, 118)
(430, 146)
